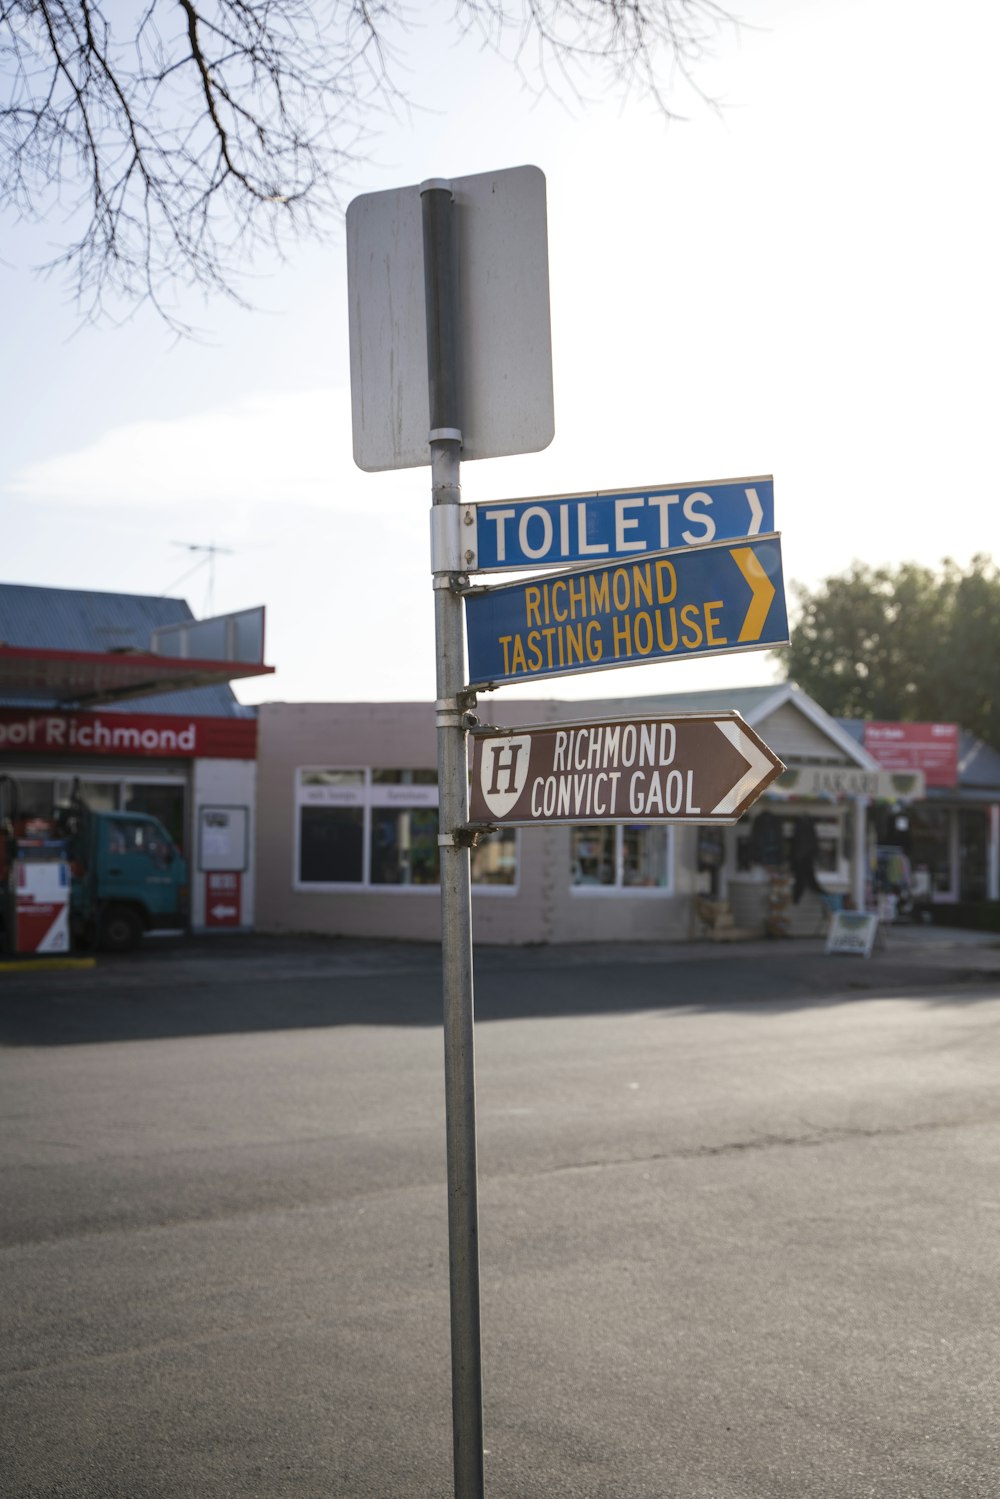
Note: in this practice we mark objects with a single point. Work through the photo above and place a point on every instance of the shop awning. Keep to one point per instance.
(84, 679)
(834, 783)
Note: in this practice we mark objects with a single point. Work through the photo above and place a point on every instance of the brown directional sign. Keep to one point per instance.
(685, 767)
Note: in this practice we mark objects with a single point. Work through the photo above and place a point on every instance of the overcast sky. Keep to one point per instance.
(803, 283)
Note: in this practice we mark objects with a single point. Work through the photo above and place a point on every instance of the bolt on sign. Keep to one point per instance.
(689, 767)
(698, 601)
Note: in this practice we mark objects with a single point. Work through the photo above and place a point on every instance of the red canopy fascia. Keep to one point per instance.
(86, 679)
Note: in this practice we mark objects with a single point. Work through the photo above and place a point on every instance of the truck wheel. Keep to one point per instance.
(121, 929)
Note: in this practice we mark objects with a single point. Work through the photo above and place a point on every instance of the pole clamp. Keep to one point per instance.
(450, 583)
(463, 837)
(446, 539)
(460, 703)
(456, 712)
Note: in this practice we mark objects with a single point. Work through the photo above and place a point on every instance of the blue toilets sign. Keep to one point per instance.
(699, 601)
(505, 535)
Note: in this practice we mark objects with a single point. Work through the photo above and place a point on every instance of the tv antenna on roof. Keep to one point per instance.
(211, 551)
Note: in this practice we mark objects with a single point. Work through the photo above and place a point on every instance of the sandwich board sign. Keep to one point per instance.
(705, 768)
(852, 932)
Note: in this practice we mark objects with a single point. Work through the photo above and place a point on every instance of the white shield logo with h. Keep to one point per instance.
(503, 772)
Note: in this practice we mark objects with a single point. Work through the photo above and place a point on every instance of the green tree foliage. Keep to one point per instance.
(904, 643)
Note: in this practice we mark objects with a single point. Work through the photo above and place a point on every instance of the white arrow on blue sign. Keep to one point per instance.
(504, 535)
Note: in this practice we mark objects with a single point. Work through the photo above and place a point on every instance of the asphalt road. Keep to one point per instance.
(740, 1228)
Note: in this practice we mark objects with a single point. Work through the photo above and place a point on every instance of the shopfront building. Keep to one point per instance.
(80, 723)
(951, 837)
(347, 830)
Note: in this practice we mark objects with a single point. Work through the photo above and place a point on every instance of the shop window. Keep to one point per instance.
(828, 855)
(99, 796)
(711, 857)
(331, 845)
(164, 802)
(163, 798)
(767, 840)
(404, 846)
(34, 798)
(592, 856)
(379, 829)
(634, 857)
(930, 850)
(494, 859)
(973, 843)
(644, 857)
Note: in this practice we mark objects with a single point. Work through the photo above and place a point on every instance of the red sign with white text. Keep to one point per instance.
(223, 899)
(930, 747)
(148, 735)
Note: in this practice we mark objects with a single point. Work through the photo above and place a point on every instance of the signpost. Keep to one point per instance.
(451, 359)
(448, 296)
(510, 534)
(703, 601)
(689, 767)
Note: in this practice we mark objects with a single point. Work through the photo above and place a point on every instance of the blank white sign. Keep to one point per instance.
(504, 337)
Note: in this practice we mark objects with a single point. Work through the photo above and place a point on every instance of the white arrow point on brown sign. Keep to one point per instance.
(758, 769)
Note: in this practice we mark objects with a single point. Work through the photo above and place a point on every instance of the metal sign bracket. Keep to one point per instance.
(465, 836)
(457, 712)
(446, 541)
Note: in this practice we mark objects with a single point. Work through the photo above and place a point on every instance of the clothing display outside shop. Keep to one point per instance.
(805, 848)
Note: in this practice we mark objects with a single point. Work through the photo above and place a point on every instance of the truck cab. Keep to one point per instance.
(125, 874)
(128, 878)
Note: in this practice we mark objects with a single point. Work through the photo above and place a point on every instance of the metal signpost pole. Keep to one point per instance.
(456, 895)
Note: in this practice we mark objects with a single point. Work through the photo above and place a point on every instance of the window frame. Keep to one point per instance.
(618, 890)
(371, 795)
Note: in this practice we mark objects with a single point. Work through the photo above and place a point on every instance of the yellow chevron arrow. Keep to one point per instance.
(760, 586)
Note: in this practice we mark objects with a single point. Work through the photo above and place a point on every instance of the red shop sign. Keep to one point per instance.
(930, 747)
(150, 735)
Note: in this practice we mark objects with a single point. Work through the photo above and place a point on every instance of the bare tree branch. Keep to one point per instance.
(178, 144)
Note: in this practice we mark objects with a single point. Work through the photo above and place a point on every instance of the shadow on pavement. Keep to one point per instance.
(205, 988)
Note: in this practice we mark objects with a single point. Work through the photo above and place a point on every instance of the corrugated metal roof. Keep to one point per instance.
(83, 619)
(199, 702)
(978, 763)
(79, 619)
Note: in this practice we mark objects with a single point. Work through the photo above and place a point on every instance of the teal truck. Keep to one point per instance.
(126, 874)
